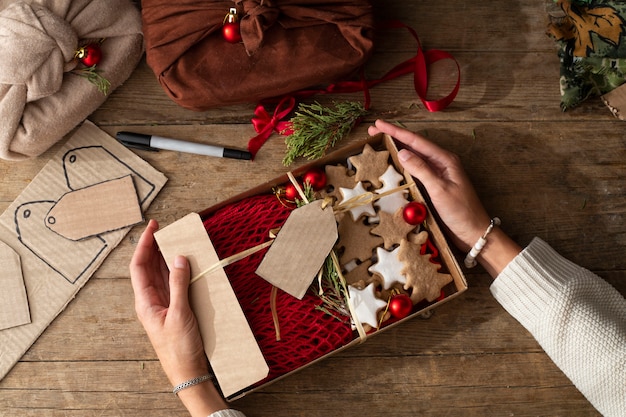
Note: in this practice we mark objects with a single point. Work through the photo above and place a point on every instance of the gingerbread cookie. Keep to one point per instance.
(370, 165)
(422, 276)
(338, 176)
(392, 228)
(355, 240)
(359, 276)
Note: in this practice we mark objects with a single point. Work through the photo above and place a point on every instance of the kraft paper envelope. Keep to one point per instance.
(54, 267)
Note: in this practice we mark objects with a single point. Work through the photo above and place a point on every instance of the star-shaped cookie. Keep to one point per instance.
(388, 267)
(359, 276)
(356, 240)
(359, 208)
(390, 203)
(370, 165)
(421, 274)
(337, 176)
(366, 305)
(392, 228)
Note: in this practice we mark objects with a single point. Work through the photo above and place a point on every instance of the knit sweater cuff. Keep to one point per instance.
(228, 413)
(526, 287)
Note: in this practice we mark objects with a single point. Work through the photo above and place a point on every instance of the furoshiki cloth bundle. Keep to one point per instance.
(42, 98)
(287, 45)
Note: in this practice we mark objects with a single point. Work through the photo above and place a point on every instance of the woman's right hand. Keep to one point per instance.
(452, 195)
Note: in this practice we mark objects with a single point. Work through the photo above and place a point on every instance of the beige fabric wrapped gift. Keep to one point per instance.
(41, 98)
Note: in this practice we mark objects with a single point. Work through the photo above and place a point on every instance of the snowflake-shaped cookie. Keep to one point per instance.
(389, 267)
(366, 305)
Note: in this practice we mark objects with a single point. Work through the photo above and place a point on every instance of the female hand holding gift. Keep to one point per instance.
(162, 306)
(547, 294)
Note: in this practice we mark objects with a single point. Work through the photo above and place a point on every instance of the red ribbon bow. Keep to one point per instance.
(418, 65)
(265, 125)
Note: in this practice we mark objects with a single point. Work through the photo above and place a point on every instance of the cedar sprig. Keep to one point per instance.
(332, 292)
(93, 76)
(317, 128)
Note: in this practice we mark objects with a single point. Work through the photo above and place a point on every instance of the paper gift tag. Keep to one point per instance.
(100, 208)
(300, 249)
(229, 343)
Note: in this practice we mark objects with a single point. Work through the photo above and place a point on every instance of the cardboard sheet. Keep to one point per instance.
(54, 268)
(13, 302)
(229, 344)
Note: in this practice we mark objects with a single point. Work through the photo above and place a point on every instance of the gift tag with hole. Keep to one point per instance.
(300, 249)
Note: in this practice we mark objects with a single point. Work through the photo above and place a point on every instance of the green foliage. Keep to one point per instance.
(317, 128)
(93, 76)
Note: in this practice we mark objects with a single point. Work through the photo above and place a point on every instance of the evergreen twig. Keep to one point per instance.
(317, 128)
(93, 76)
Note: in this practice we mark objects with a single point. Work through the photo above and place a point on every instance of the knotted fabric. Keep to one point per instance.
(287, 45)
(41, 98)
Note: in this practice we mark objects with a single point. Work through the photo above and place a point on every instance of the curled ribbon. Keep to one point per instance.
(265, 125)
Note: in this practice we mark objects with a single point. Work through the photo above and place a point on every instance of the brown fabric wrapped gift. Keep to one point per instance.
(41, 99)
(287, 45)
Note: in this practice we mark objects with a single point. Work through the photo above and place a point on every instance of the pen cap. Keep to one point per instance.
(134, 140)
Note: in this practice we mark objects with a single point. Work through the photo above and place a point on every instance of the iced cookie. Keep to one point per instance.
(389, 267)
(391, 203)
(358, 208)
(366, 304)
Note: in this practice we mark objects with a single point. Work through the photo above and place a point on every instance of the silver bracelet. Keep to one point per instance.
(470, 259)
(195, 381)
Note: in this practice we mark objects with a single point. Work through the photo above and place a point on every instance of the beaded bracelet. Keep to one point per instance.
(470, 259)
(195, 381)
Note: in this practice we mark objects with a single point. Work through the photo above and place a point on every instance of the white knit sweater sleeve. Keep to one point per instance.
(577, 318)
(227, 413)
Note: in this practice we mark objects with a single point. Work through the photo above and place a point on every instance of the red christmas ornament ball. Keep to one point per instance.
(414, 213)
(231, 32)
(316, 177)
(290, 192)
(400, 306)
(90, 54)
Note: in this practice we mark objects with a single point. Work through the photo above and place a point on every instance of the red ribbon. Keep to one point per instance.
(265, 125)
(418, 65)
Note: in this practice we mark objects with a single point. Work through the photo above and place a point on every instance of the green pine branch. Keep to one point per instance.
(317, 129)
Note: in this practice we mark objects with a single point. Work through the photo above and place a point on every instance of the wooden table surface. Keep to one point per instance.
(544, 172)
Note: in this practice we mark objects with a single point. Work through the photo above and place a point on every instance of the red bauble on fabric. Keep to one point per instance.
(316, 177)
(231, 31)
(414, 213)
(90, 54)
(400, 306)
